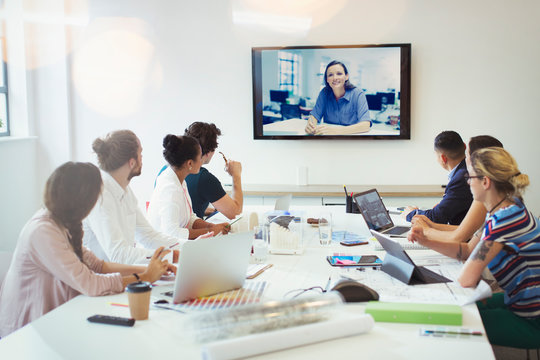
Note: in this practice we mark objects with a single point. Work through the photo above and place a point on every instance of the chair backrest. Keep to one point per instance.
(5, 261)
(289, 111)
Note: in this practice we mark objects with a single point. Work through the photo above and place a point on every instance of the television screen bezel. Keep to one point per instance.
(405, 95)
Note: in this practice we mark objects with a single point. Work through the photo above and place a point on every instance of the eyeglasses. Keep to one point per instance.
(468, 177)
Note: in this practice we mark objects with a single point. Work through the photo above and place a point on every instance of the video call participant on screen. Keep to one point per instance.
(170, 209)
(204, 188)
(509, 247)
(50, 265)
(476, 216)
(116, 225)
(341, 107)
(457, 199)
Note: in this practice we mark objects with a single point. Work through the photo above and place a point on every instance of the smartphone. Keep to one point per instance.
(111, 320)
(354, 260)
(353, 242)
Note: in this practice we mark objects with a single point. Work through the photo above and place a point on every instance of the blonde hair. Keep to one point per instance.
(498, 165)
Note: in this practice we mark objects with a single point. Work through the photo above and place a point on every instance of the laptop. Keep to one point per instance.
(212, 265)
(377, 217)
(400, 266)
(283, 203)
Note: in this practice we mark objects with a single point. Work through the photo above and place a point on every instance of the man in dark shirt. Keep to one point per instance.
(457, 198)
(204, 188)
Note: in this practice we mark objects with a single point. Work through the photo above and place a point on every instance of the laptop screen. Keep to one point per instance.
(373, 210)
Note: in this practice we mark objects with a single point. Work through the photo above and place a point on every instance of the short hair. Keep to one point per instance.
(70, 194)
(206, 134)
(483, 141)
(116, 149)
(179, 149)
(451, 144)
(498, 165)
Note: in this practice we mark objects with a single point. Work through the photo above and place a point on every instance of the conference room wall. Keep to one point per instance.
(163, 65)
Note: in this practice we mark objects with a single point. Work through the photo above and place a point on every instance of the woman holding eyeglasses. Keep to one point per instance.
(509, 247)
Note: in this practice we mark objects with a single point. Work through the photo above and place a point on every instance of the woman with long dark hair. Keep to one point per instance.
(51, 266)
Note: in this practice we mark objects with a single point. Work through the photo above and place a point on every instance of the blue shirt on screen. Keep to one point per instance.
(350, 109)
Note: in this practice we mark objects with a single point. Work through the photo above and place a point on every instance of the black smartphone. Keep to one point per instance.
(111, 320)
(354, 260)
(353, 242)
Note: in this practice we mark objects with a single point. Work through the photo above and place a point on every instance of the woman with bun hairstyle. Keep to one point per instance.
(50, 265)
(170, 210)
(509, 247)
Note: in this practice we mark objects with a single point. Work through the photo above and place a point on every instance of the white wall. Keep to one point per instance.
(474, 70)
(155, 67)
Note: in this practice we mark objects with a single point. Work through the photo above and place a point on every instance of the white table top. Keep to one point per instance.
(64, 332)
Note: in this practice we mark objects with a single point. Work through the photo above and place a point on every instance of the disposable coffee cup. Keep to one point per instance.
(139, 299)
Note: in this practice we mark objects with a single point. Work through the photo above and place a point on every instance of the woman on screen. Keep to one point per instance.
(170, 210)
(341, 105)
(509, 247)
(51, 266)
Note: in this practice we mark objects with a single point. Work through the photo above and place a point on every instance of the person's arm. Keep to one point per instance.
(150, 273)
(483, 253)
(51, 251)
(230, 206)
(459, 251)
(311, 125)
(473, 221)
(330, 129)
(201, 227)
(316, 114)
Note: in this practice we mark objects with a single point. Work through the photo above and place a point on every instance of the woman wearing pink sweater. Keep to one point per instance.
(50, 266)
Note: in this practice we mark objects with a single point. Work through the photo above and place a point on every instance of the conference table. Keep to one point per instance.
(64, 333)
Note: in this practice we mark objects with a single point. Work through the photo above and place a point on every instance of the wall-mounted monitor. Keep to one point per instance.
(332, 92)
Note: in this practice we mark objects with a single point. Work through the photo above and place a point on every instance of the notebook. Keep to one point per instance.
(400, 266)
(375, 214)
(212, 265)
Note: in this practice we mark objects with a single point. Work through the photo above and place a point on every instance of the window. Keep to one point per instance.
(4, 113)
(289, 70)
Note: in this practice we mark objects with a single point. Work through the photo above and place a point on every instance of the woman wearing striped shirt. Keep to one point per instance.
(509, 247)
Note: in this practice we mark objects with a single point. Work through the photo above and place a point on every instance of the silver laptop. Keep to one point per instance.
(377, 217)
(283, 203)
(212, 265)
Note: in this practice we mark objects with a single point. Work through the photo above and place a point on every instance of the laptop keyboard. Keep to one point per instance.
(397, 230)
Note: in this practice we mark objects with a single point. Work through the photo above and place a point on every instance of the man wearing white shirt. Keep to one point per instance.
(116, 225)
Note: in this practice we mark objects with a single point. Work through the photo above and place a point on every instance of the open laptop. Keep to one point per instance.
(374, 212)
(212, 265)
(283, 203)
(399, 265)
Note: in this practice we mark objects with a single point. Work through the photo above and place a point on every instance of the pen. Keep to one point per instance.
(235, 220)
(345, 189)
(451, 332)
(224, 158)
(170, 247)
(328, 284)
(117, 304)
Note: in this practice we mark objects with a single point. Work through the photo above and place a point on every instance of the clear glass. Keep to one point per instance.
(260, 243)
(325, 229)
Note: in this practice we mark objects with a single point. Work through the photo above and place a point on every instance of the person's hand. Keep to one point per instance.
(407, 210)
(417, 235)
(233, 168)
(223, 228)
(206, 235)
(311, 125)
(326, 129)
(171, 269)
(422, 221)
(157, 265)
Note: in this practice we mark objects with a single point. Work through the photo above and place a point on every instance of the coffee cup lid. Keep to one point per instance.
(139, 286)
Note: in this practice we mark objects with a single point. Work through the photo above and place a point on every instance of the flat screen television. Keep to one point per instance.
(342, 92)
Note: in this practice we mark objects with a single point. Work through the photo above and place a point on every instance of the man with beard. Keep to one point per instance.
(116, 225)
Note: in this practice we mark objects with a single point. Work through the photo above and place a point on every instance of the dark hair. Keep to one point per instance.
(498, 165)
(206, 134)
(70, 194)
(483, 141)
(451, 144)
(348, 84)
(179, 149)
(116, 149)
